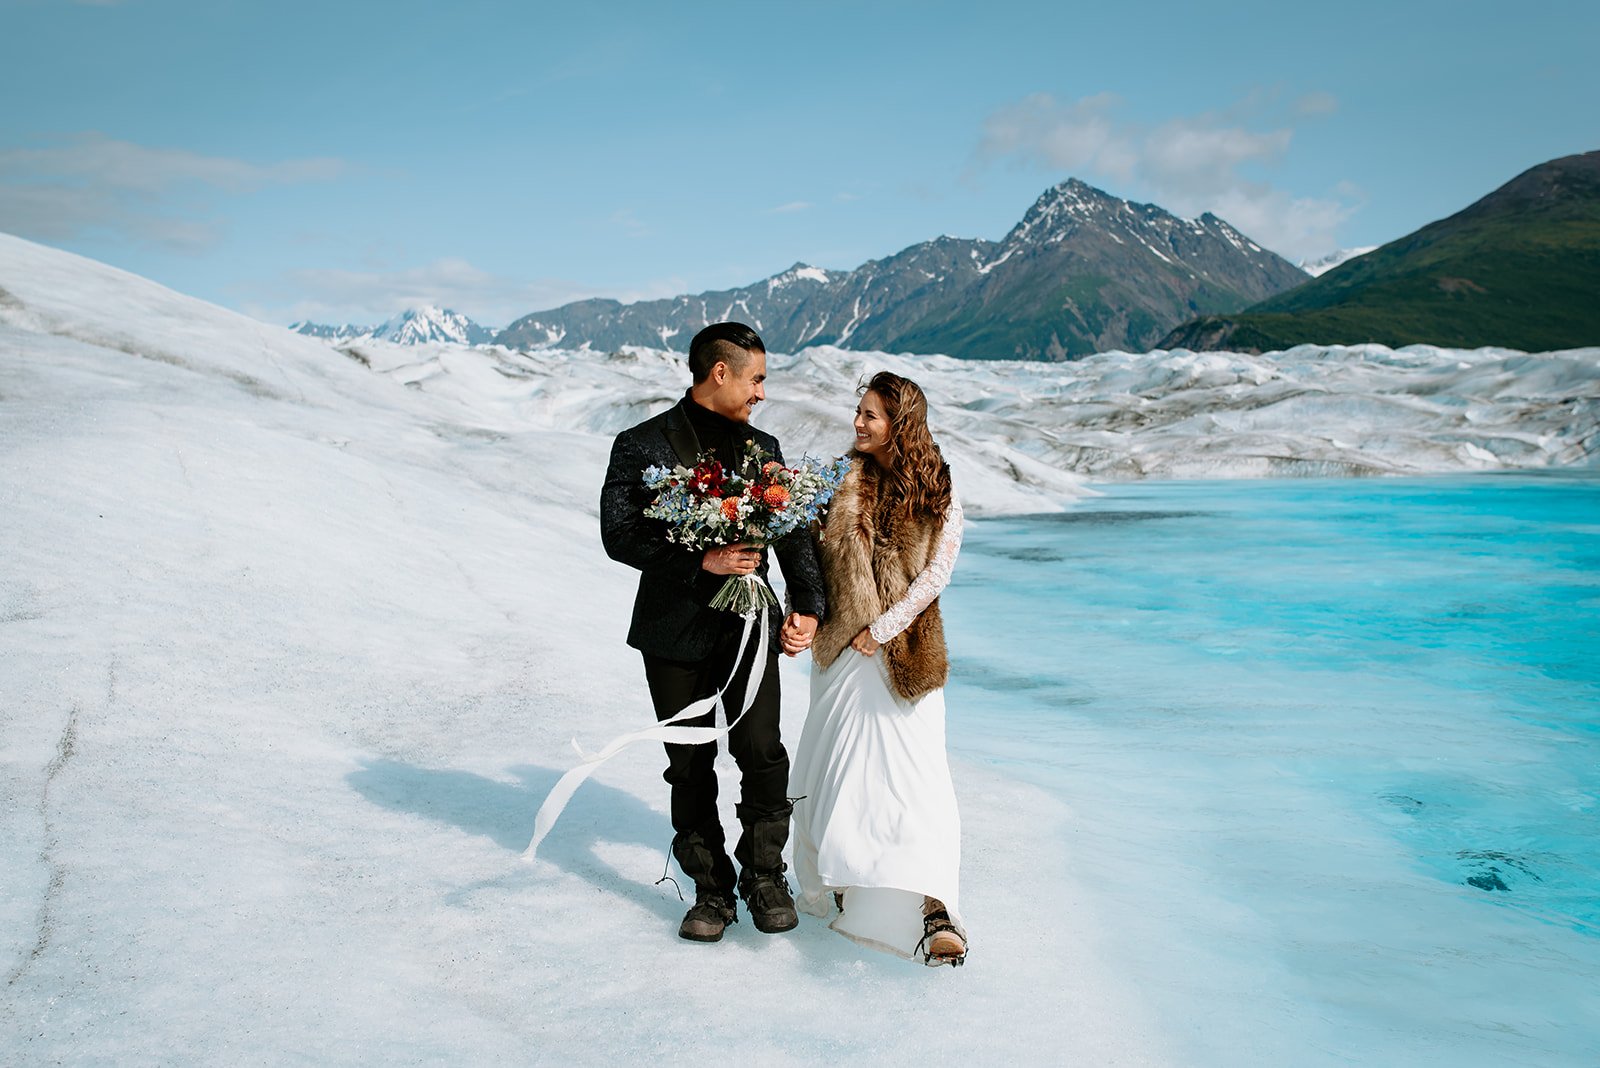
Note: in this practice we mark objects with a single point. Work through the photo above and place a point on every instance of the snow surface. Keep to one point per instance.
(291, 653)
(292, 643)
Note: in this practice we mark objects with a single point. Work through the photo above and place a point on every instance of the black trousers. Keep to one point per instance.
(753, 741)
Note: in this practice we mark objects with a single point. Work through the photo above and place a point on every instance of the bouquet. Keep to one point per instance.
(708, 506)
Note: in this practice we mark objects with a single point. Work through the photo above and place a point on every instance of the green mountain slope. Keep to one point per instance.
(1519, 268)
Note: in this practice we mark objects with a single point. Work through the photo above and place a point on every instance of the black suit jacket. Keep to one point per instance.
(671, 617)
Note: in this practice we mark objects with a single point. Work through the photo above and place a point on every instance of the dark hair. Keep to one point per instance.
(729, 343)
(916, 482)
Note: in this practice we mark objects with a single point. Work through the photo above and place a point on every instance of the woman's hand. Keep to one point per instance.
(737, 559)
(863, 643)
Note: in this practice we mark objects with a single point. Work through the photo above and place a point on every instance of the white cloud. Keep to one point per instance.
(1189, 165)
(55, 215)
(1296, 228)
(104, 162)
(791, 207)
(1043, 131)
(93, 183)
(338, 295)
(1201, 158)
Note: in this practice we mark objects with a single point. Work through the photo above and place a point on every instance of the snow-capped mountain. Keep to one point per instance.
(1323, 264)
(783, 307)
(426, 324)
(327, 332)
(1082, 272)
(423, 325)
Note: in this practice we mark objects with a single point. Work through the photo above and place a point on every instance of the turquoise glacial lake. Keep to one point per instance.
(1330, 751)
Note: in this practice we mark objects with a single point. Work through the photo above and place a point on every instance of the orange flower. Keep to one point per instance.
(770, 466)
(730, 508)
(776, 497)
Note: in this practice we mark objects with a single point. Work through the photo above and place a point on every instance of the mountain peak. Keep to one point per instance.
(1076, 191)
(425, 323)
(421, 311)
(1554, 182)
(1059, 211)
(800, 272)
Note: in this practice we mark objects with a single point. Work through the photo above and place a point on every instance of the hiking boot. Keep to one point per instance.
(708, 917)
(766, 895)
(704, 859)
(942, 941)
(761, 882)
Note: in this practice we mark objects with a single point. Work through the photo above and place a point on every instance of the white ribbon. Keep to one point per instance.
(664, 731)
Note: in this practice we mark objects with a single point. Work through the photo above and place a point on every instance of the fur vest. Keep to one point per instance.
(866, 572)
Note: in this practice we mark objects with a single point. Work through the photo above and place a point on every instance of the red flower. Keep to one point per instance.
(709, 479)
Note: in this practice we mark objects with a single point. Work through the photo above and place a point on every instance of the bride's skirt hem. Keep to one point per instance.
(870, 943)
(821, 905)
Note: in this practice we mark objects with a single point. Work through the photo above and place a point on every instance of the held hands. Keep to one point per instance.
(863, 643)
(738, 559)
(797, 633)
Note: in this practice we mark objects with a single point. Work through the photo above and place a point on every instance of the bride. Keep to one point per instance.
(877, 834)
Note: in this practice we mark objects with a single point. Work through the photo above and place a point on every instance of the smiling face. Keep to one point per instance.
(736, 391)
(872, 427)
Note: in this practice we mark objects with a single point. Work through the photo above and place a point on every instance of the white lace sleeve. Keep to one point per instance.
(926, 586)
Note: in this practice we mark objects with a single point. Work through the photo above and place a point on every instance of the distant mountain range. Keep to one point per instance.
(1519, 269)
(1082, 272)
(1087, 272)
(414, 326)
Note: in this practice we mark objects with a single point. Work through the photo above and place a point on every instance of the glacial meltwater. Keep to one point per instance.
(1331, 751)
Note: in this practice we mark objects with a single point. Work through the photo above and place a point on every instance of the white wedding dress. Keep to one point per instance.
(878, 821)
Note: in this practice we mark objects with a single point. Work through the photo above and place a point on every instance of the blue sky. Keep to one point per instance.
(339, 161)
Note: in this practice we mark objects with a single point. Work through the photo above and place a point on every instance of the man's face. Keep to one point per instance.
(738, 392)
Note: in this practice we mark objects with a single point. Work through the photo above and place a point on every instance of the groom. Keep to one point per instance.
(689, 648)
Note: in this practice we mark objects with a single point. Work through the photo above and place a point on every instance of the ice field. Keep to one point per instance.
(293, 642)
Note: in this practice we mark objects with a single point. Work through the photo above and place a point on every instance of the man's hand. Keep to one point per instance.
(863, 643)
(739, 559)
(797, 633)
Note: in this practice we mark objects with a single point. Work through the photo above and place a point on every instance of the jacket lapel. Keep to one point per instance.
(681, 436)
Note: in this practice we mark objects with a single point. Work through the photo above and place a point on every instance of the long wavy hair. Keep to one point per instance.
(915, 482)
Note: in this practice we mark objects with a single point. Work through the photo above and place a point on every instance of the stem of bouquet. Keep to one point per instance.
(745, 595)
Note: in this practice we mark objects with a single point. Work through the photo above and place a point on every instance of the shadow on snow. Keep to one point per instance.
(503, 813)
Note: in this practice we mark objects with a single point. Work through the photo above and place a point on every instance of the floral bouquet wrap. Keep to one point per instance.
(708, 506)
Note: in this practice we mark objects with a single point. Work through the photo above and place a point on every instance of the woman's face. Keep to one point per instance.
(872, 427)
